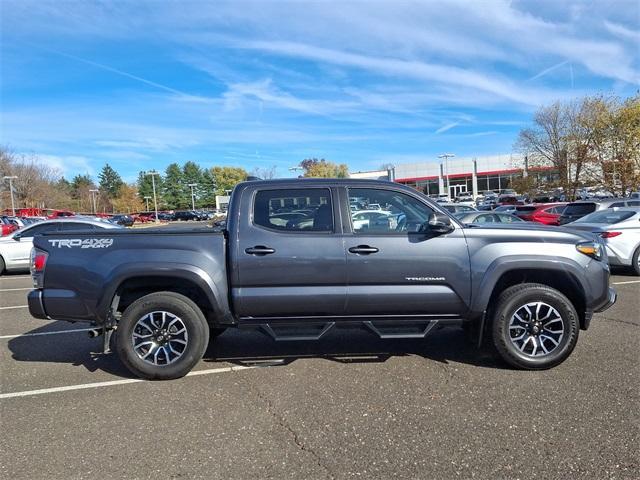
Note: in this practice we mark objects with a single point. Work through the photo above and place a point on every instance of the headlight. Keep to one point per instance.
(592, 249)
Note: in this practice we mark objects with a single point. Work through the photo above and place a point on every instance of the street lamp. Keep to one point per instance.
(446, 157)
(193, 195)
(93, 199)
(11, 178)
(147, 199)
(153, 174)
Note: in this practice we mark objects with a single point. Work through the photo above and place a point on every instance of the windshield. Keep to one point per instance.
(608, 217)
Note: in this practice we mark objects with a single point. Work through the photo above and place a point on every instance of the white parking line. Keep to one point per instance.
(42, 391)
(21, 277)
(16, 306)
(624, 283)
(73, 330)
(14, 289)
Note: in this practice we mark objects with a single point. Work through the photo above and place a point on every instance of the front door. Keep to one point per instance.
(289, 254)
(394, 268)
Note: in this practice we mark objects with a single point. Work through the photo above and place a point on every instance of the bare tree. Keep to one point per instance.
(264, 173)
(35, 185)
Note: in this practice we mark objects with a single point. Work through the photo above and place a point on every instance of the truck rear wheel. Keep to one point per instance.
(535, 327)
(162, 336)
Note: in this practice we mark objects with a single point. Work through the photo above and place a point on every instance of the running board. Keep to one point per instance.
(390, 330)
(288, 330)
(283, 332)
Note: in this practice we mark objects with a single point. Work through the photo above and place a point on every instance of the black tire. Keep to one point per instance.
(512, 301)
(635, 262)
(187, 312)
(1, 266)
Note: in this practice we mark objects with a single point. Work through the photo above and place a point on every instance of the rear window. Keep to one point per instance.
(607, 217)
(579, 208)
(557, 209)
(525, 209)
(294, 210)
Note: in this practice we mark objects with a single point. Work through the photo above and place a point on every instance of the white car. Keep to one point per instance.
(363, 218)
(15, 249)
(619, 228)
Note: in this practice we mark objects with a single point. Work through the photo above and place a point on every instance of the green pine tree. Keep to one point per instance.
(174, 193)
(110, 182)
(192, 174)
(145, 189)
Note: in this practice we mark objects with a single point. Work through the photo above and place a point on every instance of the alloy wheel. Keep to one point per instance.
(536, 329)
(160, 338)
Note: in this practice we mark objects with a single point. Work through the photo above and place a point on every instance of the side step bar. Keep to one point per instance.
(272, 331)
(388, 330)
(384, 329)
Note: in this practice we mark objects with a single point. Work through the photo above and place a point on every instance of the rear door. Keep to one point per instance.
(289, 263)
(393, 269)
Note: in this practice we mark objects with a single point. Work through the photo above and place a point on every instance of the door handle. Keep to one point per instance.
(364, 250)
(259, 250)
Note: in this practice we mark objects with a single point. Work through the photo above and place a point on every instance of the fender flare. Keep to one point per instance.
(502, 265)
(196, 275)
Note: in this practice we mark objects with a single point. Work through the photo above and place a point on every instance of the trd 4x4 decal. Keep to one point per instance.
(80, 243)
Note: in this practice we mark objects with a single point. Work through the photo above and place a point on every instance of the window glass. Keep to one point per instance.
(505, 218)
(486, 218)
(617, 204)
(76, 226)
(294, 210)
(557, 209)
(39, 229)
(579, 208)
(385, 212)
(607, 216)
(633, 203)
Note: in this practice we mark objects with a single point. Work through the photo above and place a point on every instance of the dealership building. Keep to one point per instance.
(454, 176)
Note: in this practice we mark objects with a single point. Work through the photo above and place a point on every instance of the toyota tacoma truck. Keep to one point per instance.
(292, 261)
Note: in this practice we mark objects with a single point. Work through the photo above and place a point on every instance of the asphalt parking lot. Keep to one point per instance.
(348, 406)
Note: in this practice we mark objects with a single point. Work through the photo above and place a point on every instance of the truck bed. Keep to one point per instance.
(100, 261)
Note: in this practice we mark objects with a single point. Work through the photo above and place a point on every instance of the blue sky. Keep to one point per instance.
(141, 84)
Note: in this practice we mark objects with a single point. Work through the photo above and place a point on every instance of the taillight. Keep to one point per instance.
(609, 234)
(38, 262)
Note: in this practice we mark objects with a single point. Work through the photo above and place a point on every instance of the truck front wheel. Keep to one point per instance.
(162, 336)
(535, 327)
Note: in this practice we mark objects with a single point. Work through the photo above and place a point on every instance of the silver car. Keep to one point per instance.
(619, 229)
(15, 249)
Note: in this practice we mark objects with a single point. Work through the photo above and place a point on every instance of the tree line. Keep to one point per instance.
(178, 187)
(592, 141)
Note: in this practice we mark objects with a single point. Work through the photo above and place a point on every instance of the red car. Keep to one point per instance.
(546, 213)
(60, 214)
(6, 226)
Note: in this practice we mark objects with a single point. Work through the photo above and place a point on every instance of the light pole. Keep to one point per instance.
(11, 178)
(153, 174)
(147, 199)
(446, 157)
(193, 195)
(93, 199)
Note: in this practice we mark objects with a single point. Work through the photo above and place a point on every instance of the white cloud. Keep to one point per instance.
(67, 164)
(447, 127)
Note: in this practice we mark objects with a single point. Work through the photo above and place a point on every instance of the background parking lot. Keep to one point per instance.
(433, 408)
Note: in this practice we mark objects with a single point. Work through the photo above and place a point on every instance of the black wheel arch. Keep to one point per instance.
(126, 289)
(562, 280)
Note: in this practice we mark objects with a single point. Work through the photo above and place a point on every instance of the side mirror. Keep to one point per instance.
(439, 223)
(17, 237)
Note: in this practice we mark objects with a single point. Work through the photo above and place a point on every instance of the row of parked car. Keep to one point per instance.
(615, 221)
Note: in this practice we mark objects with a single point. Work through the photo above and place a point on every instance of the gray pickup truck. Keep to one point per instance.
(300, 257)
